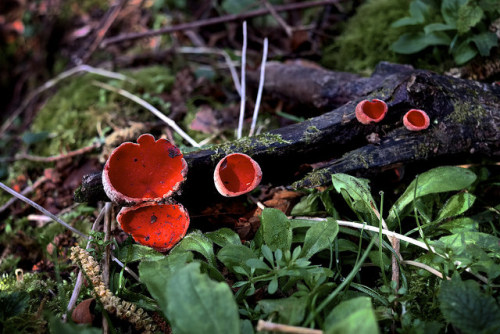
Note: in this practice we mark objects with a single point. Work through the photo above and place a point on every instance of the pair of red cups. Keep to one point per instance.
(375, 110)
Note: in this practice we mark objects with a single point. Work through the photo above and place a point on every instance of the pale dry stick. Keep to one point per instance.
(398, 236)
(149, 107)
(274, 327)
(261, 87)
(223, 53)
(278, 18)
(79, 278)
(51, 83)
(25, 191)
(62, 222)
(425, 267)
(243, 85)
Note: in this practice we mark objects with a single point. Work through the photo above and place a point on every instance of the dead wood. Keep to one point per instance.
(465, 116)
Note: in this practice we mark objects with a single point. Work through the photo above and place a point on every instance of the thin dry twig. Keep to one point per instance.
(54, 158)
(278, 18)
(425, 267)
(261, 87)
(280, 328)
(149, 107)
(51, 83)
(242, 85)
(215, 20)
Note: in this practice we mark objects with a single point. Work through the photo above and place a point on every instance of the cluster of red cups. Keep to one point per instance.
(375, 110)
(142, 178)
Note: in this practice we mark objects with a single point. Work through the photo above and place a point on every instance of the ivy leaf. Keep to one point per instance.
(418, 11)
(199, 305)
(438, 27)
(468, 16)
(353, 316)
(466, 307)
(414, 42)
(276, 229)
(458, 242)
(463, 52)
(456, 205)
(223, 237)
(196, 242)
(437, 180)
(484, 42)
(320, 236)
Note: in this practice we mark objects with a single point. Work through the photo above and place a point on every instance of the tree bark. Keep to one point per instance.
(465, 116)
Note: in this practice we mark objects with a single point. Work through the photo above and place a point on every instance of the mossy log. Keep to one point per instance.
(465, 117)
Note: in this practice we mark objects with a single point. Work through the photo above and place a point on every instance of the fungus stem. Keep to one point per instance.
(243, 87)
(149, 107)
(261, 87)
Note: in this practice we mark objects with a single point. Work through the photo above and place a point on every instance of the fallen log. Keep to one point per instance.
(465, 117)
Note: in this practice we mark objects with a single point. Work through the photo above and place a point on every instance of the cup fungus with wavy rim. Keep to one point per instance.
(237, 174)
(416, 120)
(147, 171)
(159, 226)
(371, 111)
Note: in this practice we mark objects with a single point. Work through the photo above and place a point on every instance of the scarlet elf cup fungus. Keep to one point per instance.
(142, 175)
(371, 111)
(237, 174)
(416, 120)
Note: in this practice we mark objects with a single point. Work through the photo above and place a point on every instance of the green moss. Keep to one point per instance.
(73, 114)
(367, 37)
(311, 133)
(464, 111)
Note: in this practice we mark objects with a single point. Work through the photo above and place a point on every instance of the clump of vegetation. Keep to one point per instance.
(367, 37)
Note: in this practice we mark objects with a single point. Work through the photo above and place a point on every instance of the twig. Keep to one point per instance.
(242, 95)
(51, 83)
(53, 158)
(149, 107)
(215, 20)
(425, 267)
(25, 192)
(106, 23)
(278, 18)
(261, 87)
(274, 327)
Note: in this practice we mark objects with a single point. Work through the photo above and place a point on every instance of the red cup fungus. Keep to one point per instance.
(371, 111)
(142, 175)
(147, 171)
(416, 120)
(237, 174)
(159, 226)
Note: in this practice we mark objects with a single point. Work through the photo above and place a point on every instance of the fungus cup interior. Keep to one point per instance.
(146, 170)
(374, 109)
(416, 118)
(238, 173)
(159, 226)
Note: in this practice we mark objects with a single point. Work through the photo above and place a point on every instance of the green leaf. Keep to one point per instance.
(463, 52)
(276, 229)
(413, 42)
(468, 16)
(273, 286)
(320, 236)
(484, 42)
(459, 225)
(438, 27)
(56, 326)
(257, 264)
(12, 303)
(308, 205)
(199, 305)
(457, 242)
(449, 10)
(196, 242)
(356, 192)
(456, 205)
(291, 310)
(418, 11)
(466, 307)
(354, 316)
(437, 180)
(155, 274)
(235, 255)
(223, 237)
(136, 252)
